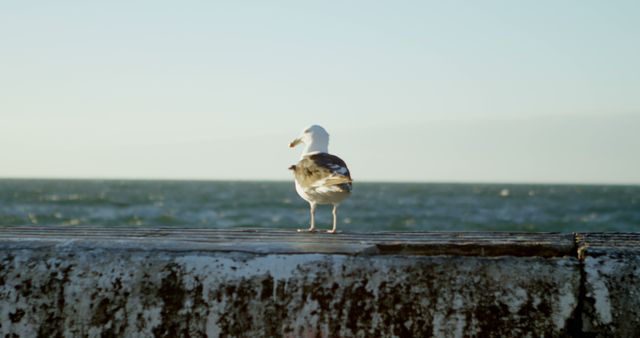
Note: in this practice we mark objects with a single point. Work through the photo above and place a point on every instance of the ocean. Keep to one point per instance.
(372, 206)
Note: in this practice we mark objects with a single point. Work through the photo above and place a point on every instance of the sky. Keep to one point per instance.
(429, 91)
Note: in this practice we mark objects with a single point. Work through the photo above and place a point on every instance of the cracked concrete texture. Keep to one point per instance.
(611, 284)
(153, 294)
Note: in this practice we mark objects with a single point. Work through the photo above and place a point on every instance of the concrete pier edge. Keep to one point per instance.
(169, 282)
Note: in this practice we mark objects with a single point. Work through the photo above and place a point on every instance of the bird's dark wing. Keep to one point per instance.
(321, 169)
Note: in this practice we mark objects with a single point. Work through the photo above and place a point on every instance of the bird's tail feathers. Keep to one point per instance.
(334, 180)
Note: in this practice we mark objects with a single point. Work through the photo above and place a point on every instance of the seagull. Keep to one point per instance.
(321, 178)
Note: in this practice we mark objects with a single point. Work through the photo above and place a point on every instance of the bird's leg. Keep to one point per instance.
(313, 217)
(312, 211)
(335, 219)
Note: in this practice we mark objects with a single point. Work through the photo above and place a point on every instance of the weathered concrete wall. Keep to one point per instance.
(198, 283)
(611, 284)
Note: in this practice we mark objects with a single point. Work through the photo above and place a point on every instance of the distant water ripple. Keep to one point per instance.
(373, 206)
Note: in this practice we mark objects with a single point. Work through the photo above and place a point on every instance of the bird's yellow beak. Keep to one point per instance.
(295, 143)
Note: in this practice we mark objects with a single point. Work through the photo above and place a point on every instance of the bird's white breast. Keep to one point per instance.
(322, 194)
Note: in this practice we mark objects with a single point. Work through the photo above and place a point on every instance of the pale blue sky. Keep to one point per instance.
(488, 91)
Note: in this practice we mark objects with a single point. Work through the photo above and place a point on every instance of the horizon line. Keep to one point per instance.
(369, 181)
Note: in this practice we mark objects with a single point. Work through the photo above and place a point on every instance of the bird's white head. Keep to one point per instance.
(315, 138)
